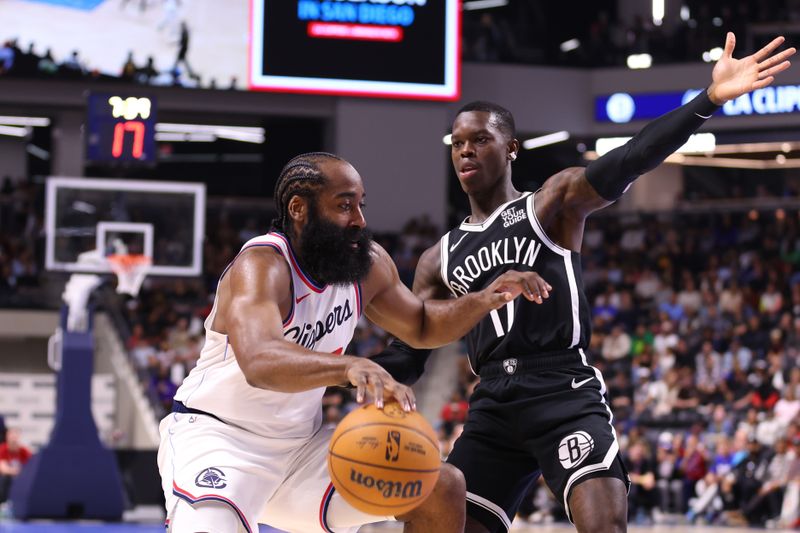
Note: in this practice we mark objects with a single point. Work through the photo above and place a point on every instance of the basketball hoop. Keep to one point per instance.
(131, 269)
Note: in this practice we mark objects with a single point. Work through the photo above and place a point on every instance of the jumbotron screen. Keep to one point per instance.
(387, 48)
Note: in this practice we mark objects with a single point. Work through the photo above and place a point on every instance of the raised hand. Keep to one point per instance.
(512, 283)
(375, 383)
(732, 78)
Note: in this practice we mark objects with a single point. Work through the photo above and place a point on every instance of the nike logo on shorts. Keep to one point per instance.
(453, 247)
(301, 298)
(576, 384)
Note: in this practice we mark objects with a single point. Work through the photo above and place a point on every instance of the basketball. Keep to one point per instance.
(384, 462)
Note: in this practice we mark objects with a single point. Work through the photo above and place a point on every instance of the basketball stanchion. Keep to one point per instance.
(386, 461)
(75, 475)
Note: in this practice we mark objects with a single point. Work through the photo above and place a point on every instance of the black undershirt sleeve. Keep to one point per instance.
(404, 363)
(612, 174)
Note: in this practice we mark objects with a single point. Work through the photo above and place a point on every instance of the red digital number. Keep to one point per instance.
(119, 137)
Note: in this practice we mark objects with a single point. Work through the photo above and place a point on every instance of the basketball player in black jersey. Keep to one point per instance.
(539, 406)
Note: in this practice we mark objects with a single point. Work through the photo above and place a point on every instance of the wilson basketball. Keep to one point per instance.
(384, 462)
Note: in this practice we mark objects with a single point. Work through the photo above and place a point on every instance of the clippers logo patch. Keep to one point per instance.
(510, 366)
(574, 449)
(512, 216)
(392, 445)
(211, 478)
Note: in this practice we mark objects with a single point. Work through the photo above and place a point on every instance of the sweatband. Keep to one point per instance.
(613, 173)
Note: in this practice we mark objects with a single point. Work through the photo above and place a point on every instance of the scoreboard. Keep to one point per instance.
(120, 128)
(386, 48)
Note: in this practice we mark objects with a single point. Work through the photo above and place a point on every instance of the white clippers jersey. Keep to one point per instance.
(321, 319)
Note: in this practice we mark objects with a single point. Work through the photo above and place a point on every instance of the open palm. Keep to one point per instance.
(732, 78)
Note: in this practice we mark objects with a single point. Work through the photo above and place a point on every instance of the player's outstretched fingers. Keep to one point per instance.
(765, 52)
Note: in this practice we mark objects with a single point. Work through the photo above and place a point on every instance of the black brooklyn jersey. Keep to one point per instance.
(474, 255)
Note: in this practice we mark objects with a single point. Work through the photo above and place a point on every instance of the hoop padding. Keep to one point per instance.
(131, 269)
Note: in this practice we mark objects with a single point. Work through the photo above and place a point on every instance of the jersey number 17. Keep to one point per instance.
(498, 324)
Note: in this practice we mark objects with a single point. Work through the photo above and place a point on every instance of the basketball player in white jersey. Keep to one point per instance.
(244, 442)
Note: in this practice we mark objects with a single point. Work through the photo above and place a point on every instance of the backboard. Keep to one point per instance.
(88, 219)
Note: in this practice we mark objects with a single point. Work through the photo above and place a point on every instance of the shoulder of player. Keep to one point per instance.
(430, 263)
(428, 282)
(382, 275)
(563, 180)
(259, 267)
(566, 187)
(383, 269)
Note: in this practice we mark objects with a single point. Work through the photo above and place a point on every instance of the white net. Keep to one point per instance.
(131, 269)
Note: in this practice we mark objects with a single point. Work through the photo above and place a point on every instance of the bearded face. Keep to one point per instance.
(332, 254)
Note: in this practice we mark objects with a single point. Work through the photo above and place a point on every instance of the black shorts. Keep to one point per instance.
(524, 421)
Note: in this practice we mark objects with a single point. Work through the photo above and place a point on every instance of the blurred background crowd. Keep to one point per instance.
(696, 329)
(695, 309)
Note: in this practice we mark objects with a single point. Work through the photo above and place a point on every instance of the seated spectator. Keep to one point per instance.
(764, 395)
(766, 503)
(13, 455)
(642, 494)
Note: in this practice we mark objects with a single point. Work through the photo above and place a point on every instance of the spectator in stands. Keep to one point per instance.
(147, 73)
(764, 395)
(129, 68)
(455, 411)
(47, 65)
(692, 465)
(766, 502)
(709, 373)
(73, 65)
(790, 507)
(7, 55)
(13, 455)
(668, 478)
(642, 494)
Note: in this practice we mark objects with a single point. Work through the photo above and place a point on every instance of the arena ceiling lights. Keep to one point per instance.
(12, 126)
(405, 49)
(474, 5)
(701, 150)
(545, 140)
(174, 132)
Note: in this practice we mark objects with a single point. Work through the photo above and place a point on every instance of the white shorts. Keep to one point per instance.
(280, 482)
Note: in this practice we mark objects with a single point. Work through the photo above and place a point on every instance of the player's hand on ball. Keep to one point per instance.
(372, 381)
(512, 283)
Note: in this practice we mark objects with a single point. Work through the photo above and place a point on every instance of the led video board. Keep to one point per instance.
(385, 48)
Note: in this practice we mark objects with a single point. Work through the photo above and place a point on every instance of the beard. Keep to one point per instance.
(327, 253)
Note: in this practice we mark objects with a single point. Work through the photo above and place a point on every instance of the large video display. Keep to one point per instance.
(191, 43)
(395, 48)
(400, 48)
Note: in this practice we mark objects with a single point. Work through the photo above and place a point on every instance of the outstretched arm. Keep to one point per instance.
(433, 323)
(607, 178)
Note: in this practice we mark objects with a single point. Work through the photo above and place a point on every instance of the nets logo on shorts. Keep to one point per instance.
(574, 449)
(211, 478)
(510, 366)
